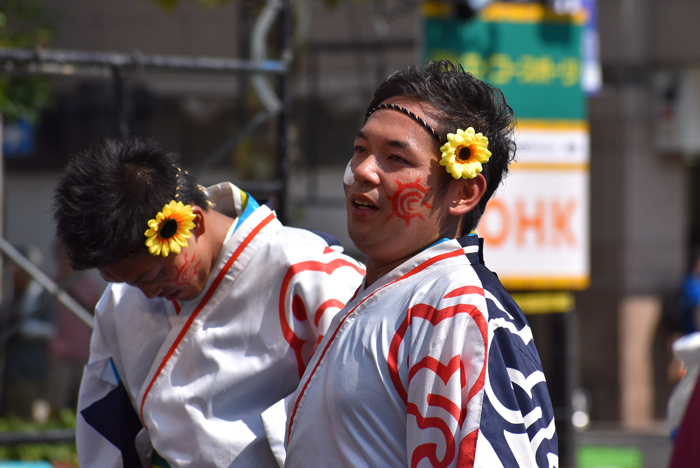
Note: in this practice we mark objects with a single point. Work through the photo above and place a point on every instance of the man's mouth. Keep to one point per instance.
(172, 296)
(364, 205)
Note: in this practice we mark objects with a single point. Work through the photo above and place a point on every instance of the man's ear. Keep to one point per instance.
(466, 194)
(199, 222)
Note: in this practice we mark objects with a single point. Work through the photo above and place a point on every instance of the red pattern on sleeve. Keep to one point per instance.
(457, 409)
(330, 303)
(295, 342)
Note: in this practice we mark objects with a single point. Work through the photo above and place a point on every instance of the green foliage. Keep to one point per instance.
(64, 455)
(23, 23)
(23, 97)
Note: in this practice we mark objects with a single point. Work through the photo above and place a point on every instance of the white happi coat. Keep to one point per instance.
(433, 365)
(198, 374)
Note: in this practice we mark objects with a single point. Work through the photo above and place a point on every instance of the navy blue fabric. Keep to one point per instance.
(330, 240)
(469, 241)
(509, 351)
(115, 418)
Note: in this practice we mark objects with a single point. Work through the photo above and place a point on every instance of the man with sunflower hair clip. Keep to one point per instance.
(213, 311)
(432, 363)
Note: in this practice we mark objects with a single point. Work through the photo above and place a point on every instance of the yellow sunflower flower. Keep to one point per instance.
(464, 153)
(170, 229)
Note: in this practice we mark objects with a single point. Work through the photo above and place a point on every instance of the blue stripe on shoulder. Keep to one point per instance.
(444, 239)
(114, 369)
(250, 207)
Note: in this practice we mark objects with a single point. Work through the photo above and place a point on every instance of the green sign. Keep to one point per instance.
(591, 456)
(534, 58)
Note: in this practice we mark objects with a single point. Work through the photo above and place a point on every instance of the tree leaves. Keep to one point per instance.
(24, 23)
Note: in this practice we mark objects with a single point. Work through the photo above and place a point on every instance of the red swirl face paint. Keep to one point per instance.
(406, 201)
(186, 272)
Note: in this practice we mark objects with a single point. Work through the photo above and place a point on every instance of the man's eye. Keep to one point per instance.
(359, 149)
(156, 277)
(396, 158)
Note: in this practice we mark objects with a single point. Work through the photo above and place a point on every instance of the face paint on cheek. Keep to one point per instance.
(186, 272)
(406, 201)
(349, 176)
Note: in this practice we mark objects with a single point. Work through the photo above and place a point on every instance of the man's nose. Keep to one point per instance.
(367, 170)
(150, 291)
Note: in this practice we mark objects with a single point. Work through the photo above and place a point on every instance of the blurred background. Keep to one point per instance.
(594, 233)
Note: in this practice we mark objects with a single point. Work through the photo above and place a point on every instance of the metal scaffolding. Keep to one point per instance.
(276, 102)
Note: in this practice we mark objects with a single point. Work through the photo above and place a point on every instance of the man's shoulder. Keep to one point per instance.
(296, 244)
(467, 283)
(300, 236)
(500, 302)
(511, 331)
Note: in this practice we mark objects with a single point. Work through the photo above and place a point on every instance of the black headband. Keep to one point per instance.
(410, 114)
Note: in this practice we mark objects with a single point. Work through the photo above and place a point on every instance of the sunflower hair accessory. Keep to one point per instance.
(170, 229)
(464, 153)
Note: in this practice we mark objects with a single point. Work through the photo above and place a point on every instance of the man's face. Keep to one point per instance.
(393, 206)
(175, 277)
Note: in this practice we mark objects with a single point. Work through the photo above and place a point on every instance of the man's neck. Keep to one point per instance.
(218, 227)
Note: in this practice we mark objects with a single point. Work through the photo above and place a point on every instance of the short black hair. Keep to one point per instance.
(107, 193)
(462, 101)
